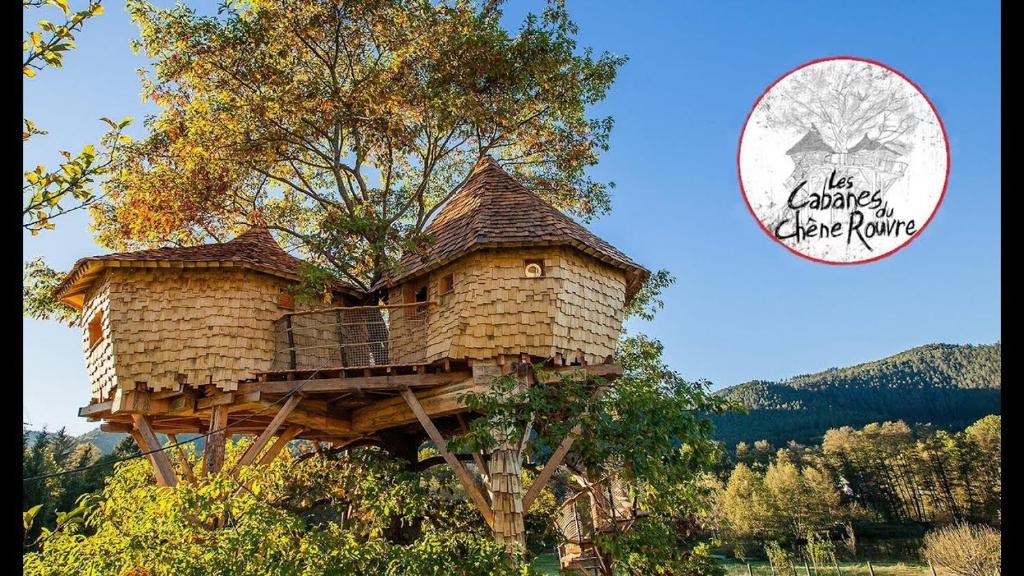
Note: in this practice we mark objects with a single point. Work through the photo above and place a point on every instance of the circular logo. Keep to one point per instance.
(843, 160)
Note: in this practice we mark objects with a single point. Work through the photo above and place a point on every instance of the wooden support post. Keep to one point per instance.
(257, 446)
(549, 468)
(213, 455)
(749, 573)
(161, 464)
(507, 494)
(442, 446)
(291, 342)
(182, 459)
(931, 568)
(287, 436)
(505, 466)
(871, 569)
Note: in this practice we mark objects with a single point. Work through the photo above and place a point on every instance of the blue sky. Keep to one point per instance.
(743, 307)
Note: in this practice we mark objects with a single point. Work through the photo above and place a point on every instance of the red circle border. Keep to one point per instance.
(945, 140)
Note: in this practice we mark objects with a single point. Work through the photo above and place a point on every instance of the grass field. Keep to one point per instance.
(845, 569)
(548, 564)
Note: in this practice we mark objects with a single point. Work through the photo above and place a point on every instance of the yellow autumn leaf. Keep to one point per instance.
(28, 71)
(63, 5)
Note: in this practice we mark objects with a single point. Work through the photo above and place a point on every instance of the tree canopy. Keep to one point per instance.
(344, 125)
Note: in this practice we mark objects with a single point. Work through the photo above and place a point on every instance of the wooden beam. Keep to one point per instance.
(318, 421)
(604, 370)
(116, 427)
(161, 464)
(442, 446)
(227, 398)
(183, 404)
(95, 409)
(183, 459)
(257, 446)
(287, 436)
(390, 412)
(136, 401)
(352, 383)
(213, 455)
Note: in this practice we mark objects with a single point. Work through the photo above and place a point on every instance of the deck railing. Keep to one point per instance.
(357, 336)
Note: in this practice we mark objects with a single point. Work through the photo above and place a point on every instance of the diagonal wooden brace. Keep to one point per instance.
(147, 440)
(261, 441)
(442, 446)
(549, 468)
(182, 459)
(287, 436)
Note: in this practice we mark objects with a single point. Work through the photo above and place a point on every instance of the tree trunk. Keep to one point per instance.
(505, 465)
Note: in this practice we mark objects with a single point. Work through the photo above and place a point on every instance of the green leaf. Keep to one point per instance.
(29, 516)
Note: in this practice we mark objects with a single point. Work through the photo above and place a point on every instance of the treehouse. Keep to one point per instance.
(198, 316)
(207, 339)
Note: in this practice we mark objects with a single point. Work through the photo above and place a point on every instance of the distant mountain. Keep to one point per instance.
(947, 385)
(107, 441)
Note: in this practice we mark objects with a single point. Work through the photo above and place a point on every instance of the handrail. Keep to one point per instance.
(353, 308)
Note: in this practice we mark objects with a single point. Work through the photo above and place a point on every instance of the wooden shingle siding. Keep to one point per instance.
(200, 326)
(99, 359)
(494, 308)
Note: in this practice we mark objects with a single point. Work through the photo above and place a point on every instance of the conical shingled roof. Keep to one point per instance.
(494, 210)
(255, 249)
(811, 142)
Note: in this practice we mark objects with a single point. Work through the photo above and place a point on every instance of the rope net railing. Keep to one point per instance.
(360, 336)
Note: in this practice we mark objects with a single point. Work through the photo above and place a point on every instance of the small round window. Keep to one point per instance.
(534, 270)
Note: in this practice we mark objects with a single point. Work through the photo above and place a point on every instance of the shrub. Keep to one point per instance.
(820, 550)
(779, 558)
(964, 549)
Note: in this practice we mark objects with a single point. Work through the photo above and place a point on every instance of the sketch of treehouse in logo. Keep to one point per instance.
(877, 163)
(843, 160)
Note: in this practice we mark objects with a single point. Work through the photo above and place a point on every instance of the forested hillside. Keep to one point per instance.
(947, 385)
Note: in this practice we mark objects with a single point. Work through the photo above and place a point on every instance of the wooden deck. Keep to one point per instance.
(335, 405)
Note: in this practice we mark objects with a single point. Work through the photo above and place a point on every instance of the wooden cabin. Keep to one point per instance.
(507, 274)
(199, 315)
(207, 339)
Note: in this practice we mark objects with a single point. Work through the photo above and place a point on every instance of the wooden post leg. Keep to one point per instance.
(213, 455)
(261, 441)
(549, 468)
(146, 438)
(442, 446)
(287, 436)
(186, 467)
